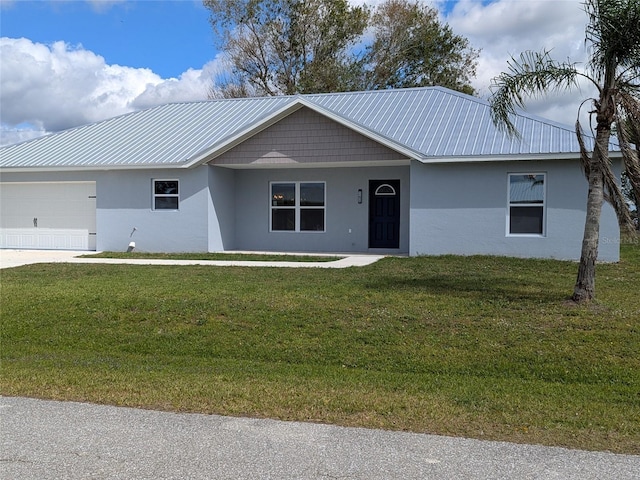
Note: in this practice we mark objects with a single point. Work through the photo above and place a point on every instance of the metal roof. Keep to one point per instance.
(428, 124)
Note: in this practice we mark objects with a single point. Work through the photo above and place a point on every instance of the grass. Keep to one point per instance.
(480, 347)
(251, 257)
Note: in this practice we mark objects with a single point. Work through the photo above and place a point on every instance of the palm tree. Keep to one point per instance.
(613, 38)
(632, 191)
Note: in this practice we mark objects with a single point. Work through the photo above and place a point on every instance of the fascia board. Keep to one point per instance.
(92, 168)
(509, 158)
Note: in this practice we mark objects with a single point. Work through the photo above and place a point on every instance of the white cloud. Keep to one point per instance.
(192, 85)
(505, 28)
(58, 86)
(103, 5)
(17, 135)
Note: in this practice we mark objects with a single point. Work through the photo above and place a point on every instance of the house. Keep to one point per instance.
(411, 171)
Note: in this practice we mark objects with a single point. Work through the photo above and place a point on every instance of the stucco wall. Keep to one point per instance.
(125, 203)
(455, 209)
(346, 219)
(222, 209)
(462, 209)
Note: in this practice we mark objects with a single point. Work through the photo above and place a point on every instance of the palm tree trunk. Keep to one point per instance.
(585, 287)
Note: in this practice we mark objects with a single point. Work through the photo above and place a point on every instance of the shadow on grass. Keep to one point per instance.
(498, 290)
(483, 278)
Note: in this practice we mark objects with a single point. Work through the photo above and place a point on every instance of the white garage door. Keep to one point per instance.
(48, 215)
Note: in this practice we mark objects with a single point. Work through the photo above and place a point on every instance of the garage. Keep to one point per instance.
(48, 215)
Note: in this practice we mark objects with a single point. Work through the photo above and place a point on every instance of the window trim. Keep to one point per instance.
(155, 195)
(542, 204)
(297, 207)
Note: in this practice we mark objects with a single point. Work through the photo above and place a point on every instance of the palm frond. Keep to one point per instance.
(628, 129)
(615, 197)
(585, 158)
(612, 34)
(533, 74)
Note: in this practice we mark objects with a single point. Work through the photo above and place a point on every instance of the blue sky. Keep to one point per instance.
(65, 63)
(166, 36)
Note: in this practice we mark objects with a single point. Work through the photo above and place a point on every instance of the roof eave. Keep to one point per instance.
(508, 157)
(90, 168)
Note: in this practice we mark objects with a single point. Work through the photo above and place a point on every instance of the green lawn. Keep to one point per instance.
(482, 347)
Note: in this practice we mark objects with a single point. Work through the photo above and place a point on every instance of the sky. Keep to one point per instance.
(65, 63)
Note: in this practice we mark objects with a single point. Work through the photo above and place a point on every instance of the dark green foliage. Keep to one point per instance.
(283, 47)
(277, 47)
(411, 48)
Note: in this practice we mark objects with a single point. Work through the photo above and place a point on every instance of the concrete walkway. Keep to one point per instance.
(65, 440)
(16, 258)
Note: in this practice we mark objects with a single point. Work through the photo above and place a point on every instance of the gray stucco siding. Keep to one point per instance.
(125, 202)
(454, 208)
(222, 209)
(306, 136)
(462, 209)
(347, 221)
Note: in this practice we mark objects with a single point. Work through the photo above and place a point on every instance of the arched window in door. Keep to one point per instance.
(385, 190)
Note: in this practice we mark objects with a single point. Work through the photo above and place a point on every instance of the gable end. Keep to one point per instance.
(307, 137)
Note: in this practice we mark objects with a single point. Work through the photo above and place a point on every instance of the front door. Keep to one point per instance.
(384, 213)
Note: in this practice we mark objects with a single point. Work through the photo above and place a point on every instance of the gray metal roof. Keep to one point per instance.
(428, 124)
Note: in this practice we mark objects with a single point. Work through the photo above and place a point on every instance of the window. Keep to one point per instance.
(385, 190)
(526, 204)
(165, 195)
(297, 206)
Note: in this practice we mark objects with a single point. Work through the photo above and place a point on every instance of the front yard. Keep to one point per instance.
(482, 347)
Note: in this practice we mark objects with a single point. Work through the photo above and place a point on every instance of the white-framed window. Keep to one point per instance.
(166, 194)
(297, 206)
(527, 208)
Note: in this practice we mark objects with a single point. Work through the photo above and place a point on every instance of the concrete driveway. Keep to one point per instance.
(15, 258)
(65, 440)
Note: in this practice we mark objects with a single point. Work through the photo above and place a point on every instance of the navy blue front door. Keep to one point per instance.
(384, 213)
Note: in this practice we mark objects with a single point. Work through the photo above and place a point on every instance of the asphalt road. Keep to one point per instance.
(65, 440)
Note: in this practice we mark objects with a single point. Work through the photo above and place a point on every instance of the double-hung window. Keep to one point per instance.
(166, 195)
(297, 206)
(526, 212)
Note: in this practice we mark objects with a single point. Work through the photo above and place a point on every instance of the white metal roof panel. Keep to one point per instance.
(431, 123)
(161, 136)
